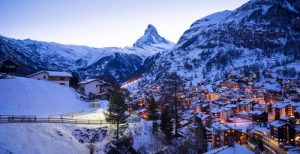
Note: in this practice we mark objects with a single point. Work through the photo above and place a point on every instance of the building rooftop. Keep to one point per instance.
(280, 105)
(60, 74)
(88, 81)
(277, 123)
(256, 112)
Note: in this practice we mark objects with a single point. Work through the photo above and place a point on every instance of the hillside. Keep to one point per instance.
(23, 96)
(260, 36)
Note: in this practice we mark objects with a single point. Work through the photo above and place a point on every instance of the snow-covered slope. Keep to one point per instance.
(23, 96)
(118, 62)
(260, 35)
(39, 138)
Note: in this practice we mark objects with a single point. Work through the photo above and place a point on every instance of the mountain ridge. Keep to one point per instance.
(37, 55)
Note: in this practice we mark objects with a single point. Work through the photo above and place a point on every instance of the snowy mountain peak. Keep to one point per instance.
(151, 37)
(151, 30)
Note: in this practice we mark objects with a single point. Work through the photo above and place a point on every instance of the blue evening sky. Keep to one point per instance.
(103, 23)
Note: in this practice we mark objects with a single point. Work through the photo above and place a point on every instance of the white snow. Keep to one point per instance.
(51, 138)
(62, 74)
(23, 96)
(38, 138)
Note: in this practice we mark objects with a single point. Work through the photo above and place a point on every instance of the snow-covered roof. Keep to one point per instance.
(59, 74)
(285, 118)
(52, 73)
(88, 81)
(280, 105)
(277, 123)
(219, 126)
(260, 106)
(262, 129)
(215, 110)
(256, 112)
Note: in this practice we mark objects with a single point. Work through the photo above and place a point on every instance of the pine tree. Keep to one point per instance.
(165, 123)
(116, 111)
(201, 139)
(153, 114)
(172, 86)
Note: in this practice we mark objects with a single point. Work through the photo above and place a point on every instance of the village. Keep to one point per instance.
(245, 109)
(238, 109)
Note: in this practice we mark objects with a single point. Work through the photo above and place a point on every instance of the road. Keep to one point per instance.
(272, 145)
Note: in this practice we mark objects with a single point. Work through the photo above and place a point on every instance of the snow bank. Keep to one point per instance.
(23, 96)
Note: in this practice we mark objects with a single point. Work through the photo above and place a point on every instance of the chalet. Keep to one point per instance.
(8, 66)
(262, 107)
(258, 116)
(245, 105)
(95, 88)
(282, 109)
(218, 137)
(226, 113)
(61, 78)
(223, 135)
(282, 132)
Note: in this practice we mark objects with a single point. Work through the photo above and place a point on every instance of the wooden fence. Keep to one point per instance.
(34, 119)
